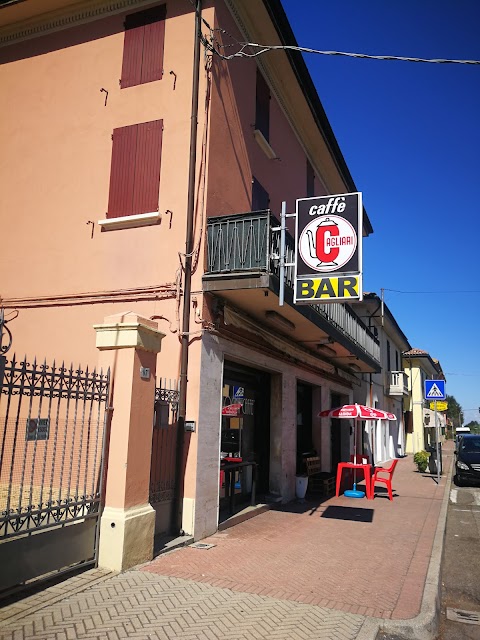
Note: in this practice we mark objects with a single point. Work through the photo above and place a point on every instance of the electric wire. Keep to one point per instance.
(264, 48)
(432, 292)
(213, 45)
(468, 375)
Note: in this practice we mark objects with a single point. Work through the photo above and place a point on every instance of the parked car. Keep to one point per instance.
(467, 463)
(459, 432)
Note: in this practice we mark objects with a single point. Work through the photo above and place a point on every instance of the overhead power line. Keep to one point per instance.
(468, 375)
(437, 293)
(264, 48)
(257, 49)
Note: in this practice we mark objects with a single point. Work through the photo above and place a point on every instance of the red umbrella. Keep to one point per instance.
(356, 412)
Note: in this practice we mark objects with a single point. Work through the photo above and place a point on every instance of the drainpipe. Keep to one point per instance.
(371, 386)
(185, 336)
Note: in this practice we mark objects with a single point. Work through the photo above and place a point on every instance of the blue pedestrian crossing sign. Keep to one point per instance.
(435, 390)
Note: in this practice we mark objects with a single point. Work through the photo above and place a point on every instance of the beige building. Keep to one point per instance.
(142, 179)
(388, 389)
(420, 366)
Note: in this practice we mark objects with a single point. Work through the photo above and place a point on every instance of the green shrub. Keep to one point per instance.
(421, 460)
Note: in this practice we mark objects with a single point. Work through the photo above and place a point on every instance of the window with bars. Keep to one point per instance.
(143, 47)
(135, 169)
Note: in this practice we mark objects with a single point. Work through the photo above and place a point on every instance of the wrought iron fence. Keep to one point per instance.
(5, 334)
(52, 425)
(162, 469)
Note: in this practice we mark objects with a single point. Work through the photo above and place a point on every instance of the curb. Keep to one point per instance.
(425, 625)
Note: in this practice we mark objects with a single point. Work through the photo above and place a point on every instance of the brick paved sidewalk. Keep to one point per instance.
(356, 556)
(301, 572)
(138, 604)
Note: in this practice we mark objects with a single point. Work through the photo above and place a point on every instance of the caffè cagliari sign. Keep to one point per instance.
(328, 264)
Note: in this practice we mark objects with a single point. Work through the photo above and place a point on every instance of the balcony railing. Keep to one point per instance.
(245, 243)
(397, 383)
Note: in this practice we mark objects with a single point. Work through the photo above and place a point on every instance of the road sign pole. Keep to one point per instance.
(282, 253)
(437, 432)
(283, 215)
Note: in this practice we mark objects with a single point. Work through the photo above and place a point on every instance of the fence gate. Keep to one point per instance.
(164, 446)
(52, 426)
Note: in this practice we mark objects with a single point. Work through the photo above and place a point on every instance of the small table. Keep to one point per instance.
(366, 468)
(229, 469)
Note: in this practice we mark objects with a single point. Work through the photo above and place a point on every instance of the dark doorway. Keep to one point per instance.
(336, 433)
(304, 425)
(246, 431)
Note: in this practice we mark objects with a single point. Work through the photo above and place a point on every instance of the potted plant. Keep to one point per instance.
(421, 460)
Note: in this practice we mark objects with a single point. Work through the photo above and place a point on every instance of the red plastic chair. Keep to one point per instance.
(387, 481)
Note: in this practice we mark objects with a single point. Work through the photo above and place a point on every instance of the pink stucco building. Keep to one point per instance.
(122, 194)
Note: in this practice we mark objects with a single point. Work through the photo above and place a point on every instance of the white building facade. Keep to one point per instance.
(387, 390)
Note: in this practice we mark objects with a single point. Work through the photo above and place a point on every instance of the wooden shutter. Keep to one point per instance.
(135, 169)
(147, 167)
(143, 47)
(408, 421)
(122, 173)
(132, 51)
(152, 66)
(262, 106)
(260, 197)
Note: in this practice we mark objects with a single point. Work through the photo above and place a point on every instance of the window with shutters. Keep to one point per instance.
(260, 197)
(262, 107)
(135, 169)
(143, 47)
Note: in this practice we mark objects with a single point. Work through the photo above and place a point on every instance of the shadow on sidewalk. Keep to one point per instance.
(349, 513)
(311, 504)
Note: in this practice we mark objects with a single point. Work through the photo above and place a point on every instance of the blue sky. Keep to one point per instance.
(410, 134)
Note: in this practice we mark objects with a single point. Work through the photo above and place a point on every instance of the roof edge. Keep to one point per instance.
(285, 33)
(373, 297)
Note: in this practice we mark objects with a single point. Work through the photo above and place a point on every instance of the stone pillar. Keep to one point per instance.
(283, 435)
(325, 430)
(317, 424)
(128, 344)
(201, 508)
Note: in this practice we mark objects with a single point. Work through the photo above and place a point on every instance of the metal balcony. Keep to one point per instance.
(396, 383)
(243, 267)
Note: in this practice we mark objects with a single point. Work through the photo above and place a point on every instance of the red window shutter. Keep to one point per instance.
(132, 56)
(122, 173)
(143, 47)
(152, 66)
(260, 197)
(147, 167)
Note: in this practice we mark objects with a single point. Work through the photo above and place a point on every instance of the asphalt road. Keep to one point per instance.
(461, 565)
